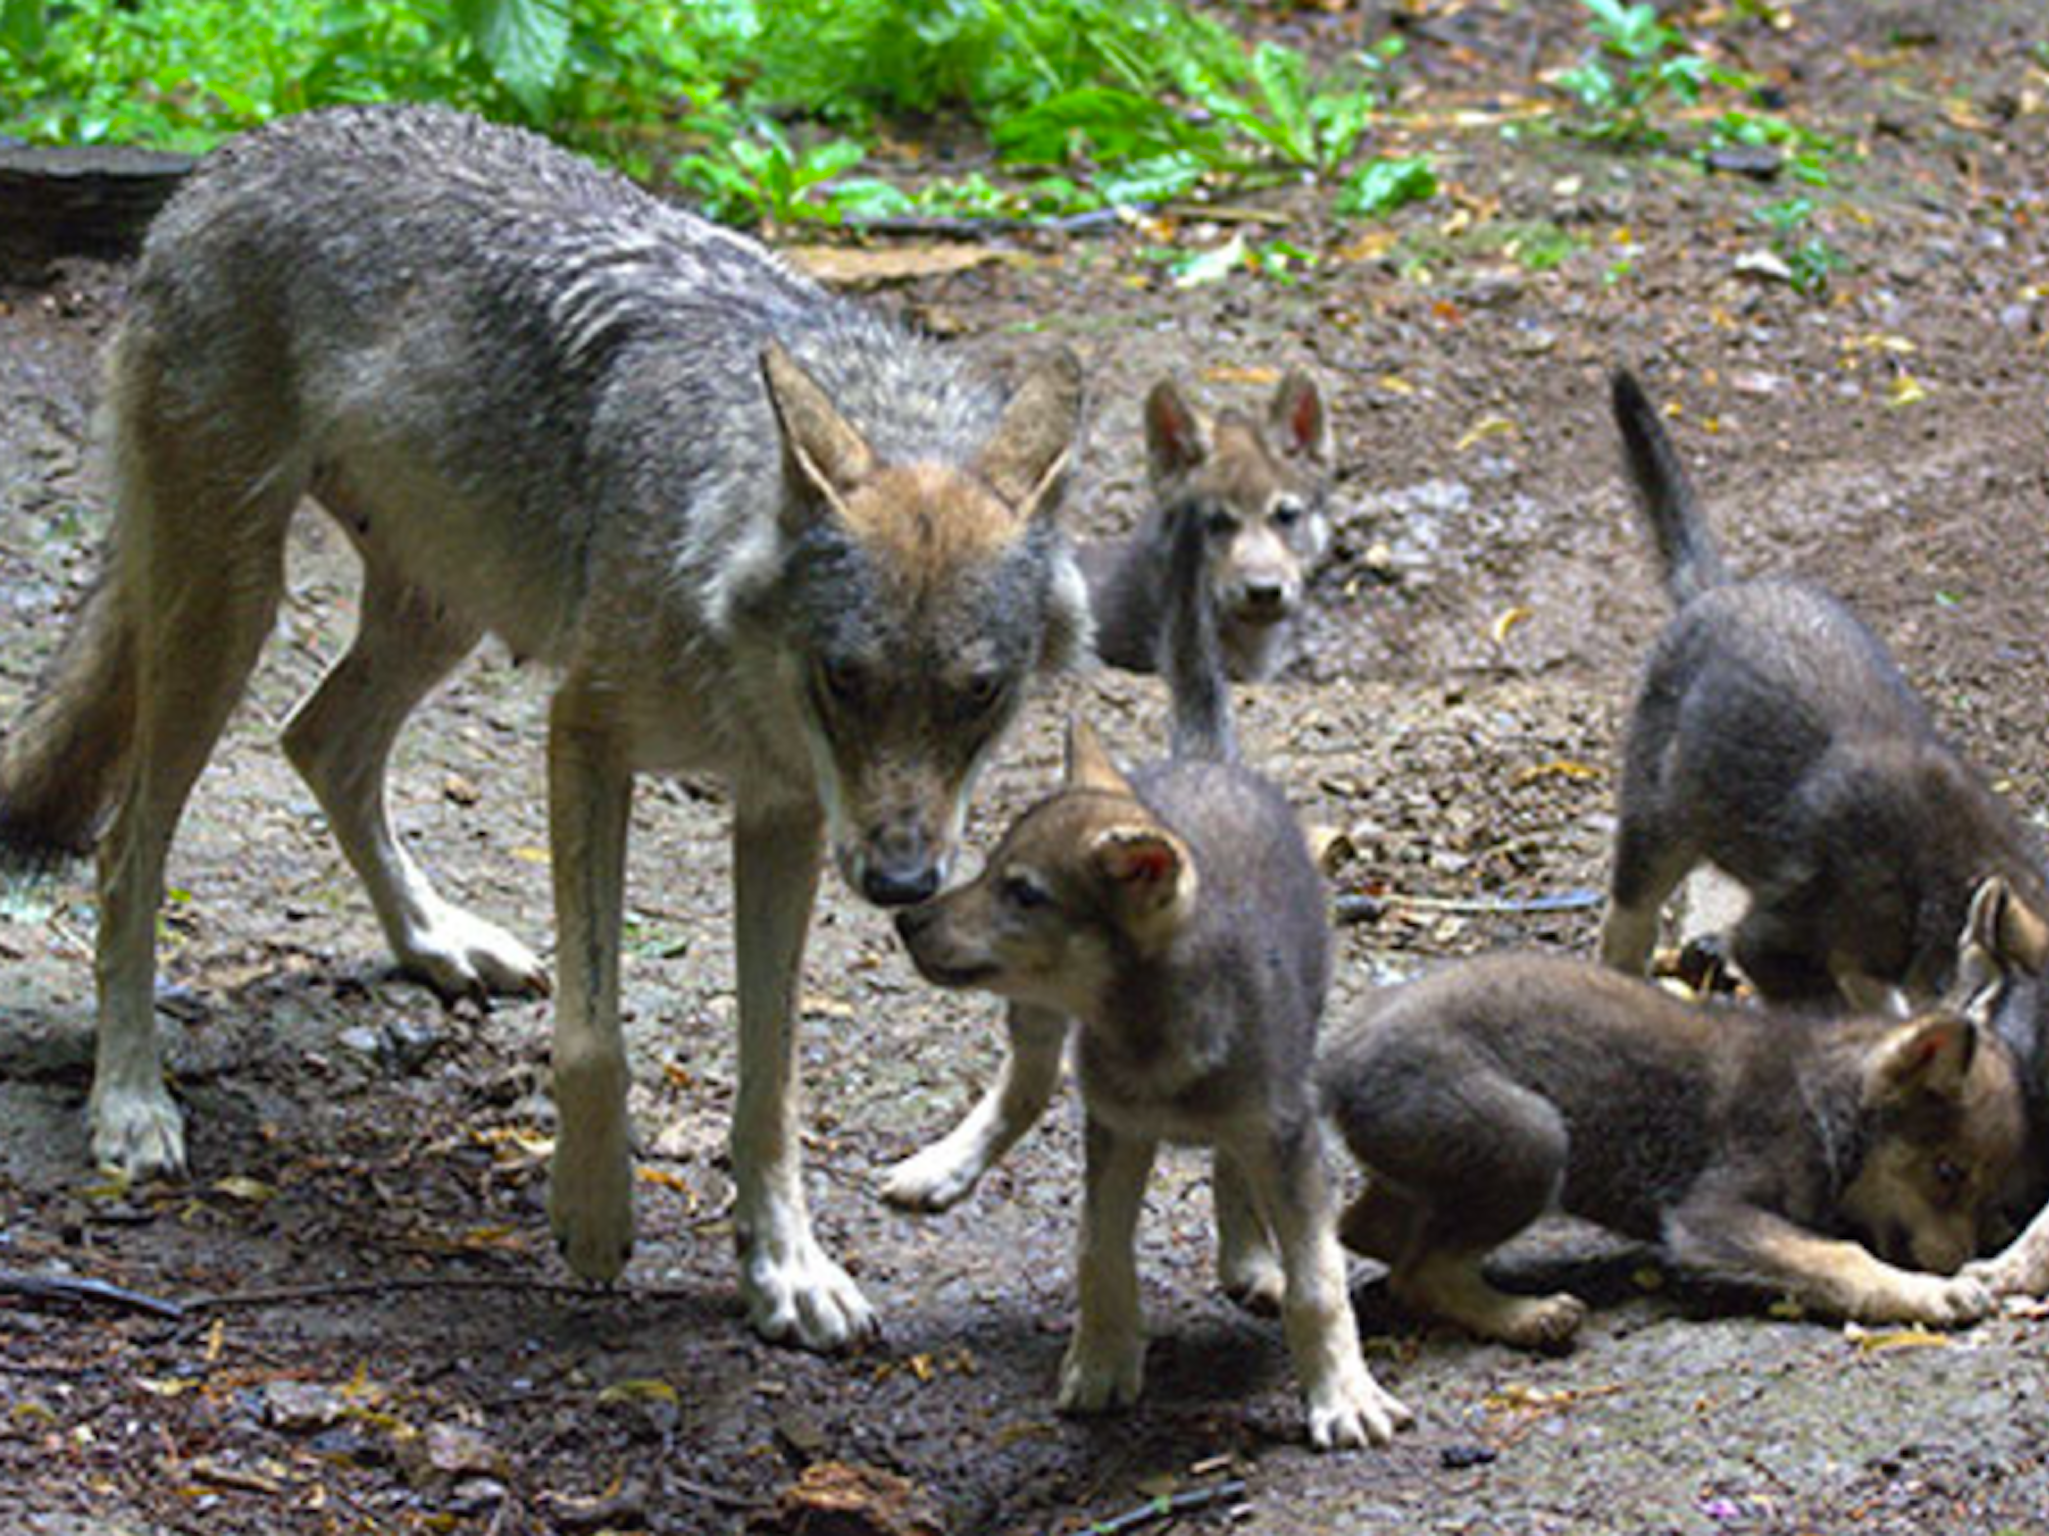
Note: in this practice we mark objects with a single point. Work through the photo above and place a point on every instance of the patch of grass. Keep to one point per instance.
(1385, 185)
(1809, 257)
(1638, 65)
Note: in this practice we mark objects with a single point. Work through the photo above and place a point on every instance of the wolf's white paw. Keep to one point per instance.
(795, 1294)
(1102, 1373)
(590, 1197)
(1939, 1301)
(1354, 1411)
(460, 955)
(138, 1133)
(936, 1179)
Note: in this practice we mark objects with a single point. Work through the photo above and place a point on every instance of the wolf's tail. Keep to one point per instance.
(1685, 547)
(60, 765)
(1191, 659)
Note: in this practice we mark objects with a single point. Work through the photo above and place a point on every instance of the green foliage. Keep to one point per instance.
(765, 177)
(1809, 257)
(1637, 66)
(1386, 185)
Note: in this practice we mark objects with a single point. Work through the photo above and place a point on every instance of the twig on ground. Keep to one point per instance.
(1364, 907)
(344, 1290)
(75, 1291)
(1168, 1506)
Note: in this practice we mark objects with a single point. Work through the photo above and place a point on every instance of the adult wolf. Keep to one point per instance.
(758, 530)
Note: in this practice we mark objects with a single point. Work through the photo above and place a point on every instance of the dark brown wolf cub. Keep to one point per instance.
(1751, 1143)
(1775, 738)
(1259, 489)
(1178, 918)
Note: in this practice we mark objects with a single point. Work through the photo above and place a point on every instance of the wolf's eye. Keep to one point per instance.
(1218, 521)
(1286, 514)
(1023, 892)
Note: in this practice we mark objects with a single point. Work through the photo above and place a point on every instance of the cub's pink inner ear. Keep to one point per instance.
(1298, 418)
(1140, 862)
(1175, 441)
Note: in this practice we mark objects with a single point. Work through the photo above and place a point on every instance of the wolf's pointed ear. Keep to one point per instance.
(829, 459)
(1027, 456)
(1928, 1057)
(1088, 765)
(2008, 927)
(1176, 438)
(1297, 423)
(1149, 876)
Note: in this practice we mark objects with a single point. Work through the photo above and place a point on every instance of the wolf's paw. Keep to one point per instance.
(1252, 1277)
(590, 1200)
(795, 1294)
(934, 1180)
(138, 1133)
(2015, 1272)
(460, 955)
(1937, 1301)
(1100, 1374)
(1354, 1410)
(1545, 1323)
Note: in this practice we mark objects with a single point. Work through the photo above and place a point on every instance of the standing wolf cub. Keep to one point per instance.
(1752, 1144)
(1177, 917)
(760, 531)
(1259, 486)
(1774, 738)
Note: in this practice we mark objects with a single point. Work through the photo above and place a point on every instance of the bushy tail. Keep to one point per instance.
(1685, 547)
(60, 765)
(1191, 659)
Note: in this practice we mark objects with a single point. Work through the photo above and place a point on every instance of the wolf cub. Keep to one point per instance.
(1774, 738)
(1177, 917)
(1769, 1147)
(1259, 489)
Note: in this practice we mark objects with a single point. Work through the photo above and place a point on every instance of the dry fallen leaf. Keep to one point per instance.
(1485, 427)
(847, 266)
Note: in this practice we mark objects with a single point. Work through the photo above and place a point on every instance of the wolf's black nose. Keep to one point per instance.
(904, 887)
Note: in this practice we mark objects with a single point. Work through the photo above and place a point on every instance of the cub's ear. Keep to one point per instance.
(1928, 1057)
(827, 457)
(1176, 436)
(1297, 423)
(1150, 881)
(1088, 765)
(1026, 459)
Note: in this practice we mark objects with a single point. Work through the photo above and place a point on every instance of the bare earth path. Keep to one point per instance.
(1476, 636)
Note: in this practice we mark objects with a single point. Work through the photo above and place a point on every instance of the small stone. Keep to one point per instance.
(300, 1407)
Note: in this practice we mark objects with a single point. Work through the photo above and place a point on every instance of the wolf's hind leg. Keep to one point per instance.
(340, 741)
(200, 563)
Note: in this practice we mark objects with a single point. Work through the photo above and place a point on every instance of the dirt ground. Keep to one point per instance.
(423, 1361)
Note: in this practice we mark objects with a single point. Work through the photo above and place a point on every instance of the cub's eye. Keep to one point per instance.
(841, 679)
(1951, 1177)
(1023, 892)
(982, 693)
(1286, 514)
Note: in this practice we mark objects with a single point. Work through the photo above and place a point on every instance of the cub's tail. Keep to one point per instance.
(1191, 659)
(1685, 547)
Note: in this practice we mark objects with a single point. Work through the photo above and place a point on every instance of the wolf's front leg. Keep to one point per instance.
(2022, 1267)
(794, 1292)
(590, 1186)
(945, 1173)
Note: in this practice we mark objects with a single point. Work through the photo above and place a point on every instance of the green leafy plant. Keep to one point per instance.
(1386, 185)
(764, 176)
(1637, 65)
(1809, 257)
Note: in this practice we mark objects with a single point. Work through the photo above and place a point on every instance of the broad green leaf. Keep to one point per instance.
(526, 43)
(22, 26)
(1386, 185)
